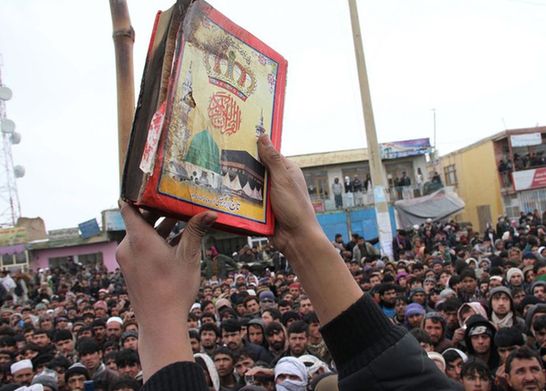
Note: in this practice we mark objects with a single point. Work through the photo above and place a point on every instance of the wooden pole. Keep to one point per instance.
(374, 156)
(124, 38)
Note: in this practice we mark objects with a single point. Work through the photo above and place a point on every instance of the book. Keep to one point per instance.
(208, 91)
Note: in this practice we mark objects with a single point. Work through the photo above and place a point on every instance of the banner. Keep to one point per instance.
(64, 234)
(89, 229)
(11, 236)
(399, 149)
(112, 220)
(525, 140)
(529, 179)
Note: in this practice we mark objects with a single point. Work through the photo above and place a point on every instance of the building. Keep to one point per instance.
(501, 174)
(405, 160)
(63, 246)
(29, 246)
(400, 159)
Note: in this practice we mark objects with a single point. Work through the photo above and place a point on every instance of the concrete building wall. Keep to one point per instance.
(40, 258)
(477, 183)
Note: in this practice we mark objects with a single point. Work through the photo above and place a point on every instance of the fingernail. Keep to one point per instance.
(265, 140)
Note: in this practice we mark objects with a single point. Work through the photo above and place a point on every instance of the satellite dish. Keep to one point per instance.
(7, 126)
(19, 171)
(5, 93)
(15, 138)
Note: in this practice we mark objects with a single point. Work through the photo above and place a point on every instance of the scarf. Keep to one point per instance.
(507, 321)
(291, 366)
(290, 385)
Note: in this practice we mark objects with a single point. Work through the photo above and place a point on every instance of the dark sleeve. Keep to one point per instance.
(265, 355)
(368, 349)
(259, 353)
(187, 376)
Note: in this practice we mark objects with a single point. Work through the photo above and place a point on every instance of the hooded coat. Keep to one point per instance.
(475, 321)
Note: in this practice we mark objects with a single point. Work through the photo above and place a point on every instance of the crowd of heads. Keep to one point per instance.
(474, 301)
(64, 327)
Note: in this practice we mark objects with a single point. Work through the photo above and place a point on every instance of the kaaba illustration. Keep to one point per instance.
(232, 172)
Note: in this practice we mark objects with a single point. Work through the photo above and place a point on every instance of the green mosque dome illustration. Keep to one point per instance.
(204, 152)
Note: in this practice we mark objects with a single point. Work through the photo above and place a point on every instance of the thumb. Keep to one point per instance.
(190, 245)
(271, 158)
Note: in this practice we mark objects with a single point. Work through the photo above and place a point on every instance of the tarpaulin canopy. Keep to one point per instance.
(438, 205)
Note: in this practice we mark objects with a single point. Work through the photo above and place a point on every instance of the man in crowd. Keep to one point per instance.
(524, 370)
(434, 325)
(209, 336)
(276, 339)
(233, 339)
(479, 338)
(128, 364)
(76, 376)
(224, 361)
(91, 358)
(22, 372)
(387, 294)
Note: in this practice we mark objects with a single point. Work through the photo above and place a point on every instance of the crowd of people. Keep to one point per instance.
(469, 298)
(454, 309)
(62, 328)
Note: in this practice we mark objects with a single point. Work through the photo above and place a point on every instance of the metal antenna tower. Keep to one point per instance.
(10, 208)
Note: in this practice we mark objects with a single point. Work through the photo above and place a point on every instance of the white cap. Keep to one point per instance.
(114, 319)
(459, 352)
(195, 306)
(19, 365)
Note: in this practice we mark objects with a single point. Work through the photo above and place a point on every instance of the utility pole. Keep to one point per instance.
(376, 166)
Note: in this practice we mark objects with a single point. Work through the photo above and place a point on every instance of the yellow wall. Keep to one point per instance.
(478, 181)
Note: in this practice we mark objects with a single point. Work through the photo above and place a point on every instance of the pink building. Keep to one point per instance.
(55, 253)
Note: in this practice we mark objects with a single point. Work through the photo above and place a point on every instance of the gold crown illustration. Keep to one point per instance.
(224, 70)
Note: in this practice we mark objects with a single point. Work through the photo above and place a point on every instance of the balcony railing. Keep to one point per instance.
(365, 199)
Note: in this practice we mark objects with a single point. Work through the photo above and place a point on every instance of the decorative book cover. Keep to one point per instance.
(225, 89)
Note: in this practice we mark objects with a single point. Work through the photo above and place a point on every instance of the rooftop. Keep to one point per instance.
(330, 158)
(58, 241)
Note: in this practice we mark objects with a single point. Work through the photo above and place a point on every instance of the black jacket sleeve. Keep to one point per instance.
(369, 350)
(187, 376)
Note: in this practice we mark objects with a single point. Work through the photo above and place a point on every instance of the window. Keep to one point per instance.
(90, 259)
(511, 206)
(21, 258)
(533, 199)
(58, 262)
(450, 174)
(317, 184)
(7, 260)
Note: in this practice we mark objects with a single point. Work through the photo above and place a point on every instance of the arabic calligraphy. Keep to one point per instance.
(224, 113)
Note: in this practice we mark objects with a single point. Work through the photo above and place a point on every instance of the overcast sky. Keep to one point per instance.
(479, 63)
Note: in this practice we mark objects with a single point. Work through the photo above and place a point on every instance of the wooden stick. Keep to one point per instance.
(124, 38)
